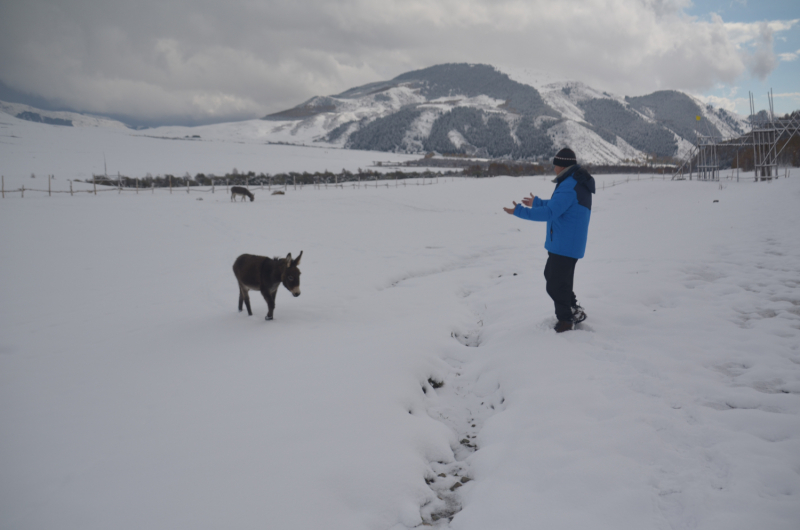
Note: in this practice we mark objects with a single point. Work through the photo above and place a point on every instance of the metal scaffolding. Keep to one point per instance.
(765, 135)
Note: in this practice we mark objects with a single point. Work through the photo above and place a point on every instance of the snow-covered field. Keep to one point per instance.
(78, 152)
(133, 394)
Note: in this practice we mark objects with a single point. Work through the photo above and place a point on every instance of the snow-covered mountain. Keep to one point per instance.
(505, 112)
(468, 109)
(62, 118)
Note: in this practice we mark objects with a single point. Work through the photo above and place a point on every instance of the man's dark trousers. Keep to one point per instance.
(559, 273)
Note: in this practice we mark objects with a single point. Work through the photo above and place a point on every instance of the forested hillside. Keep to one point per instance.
(675, 110)
(476, 109)
(648, 137)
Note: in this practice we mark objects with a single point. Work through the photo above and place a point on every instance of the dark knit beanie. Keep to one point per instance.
(565, 158)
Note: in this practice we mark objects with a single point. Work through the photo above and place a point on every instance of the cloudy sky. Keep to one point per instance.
(200, 61)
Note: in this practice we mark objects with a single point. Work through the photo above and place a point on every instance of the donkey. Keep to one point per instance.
(243, 192)
(257, 273)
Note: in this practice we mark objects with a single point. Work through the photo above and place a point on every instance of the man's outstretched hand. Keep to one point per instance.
(511, 210)
(528, 201)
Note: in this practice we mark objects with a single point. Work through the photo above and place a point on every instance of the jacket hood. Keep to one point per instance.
(582, 177)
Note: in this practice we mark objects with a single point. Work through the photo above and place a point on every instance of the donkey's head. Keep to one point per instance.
(291, 274)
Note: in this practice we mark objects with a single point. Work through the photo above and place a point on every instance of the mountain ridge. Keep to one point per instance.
(465, 109)
(487, 112)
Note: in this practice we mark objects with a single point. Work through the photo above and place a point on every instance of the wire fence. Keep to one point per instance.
(218, 186)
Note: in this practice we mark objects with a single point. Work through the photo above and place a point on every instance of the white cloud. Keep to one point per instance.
(721, 102)
(789, 57)
(200, 59)
(744, 33)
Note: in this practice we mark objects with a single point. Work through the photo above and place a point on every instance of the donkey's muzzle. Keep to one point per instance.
(296, 294)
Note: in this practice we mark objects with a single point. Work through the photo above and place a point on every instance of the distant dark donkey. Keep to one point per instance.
(244, 192)
(257, 273)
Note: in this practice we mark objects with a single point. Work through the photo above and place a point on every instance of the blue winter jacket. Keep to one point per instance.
(567, 212)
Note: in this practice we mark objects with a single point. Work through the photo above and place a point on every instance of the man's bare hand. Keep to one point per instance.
(511, 210)
(528, 201)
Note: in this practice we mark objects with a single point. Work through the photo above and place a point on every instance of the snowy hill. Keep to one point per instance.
(467, 109)
(62, 118)
(481, 110)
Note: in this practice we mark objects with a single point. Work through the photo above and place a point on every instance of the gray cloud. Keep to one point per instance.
(763, 61)
(194, 61)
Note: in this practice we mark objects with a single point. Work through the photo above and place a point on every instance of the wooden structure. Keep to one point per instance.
(766, 133)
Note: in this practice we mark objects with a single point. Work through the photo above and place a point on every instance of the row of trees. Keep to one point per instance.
(263, 179)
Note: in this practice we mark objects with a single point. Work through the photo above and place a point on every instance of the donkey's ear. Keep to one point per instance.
(289, 259)
(297, 261)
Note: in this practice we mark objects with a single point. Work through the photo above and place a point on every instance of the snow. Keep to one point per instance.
(134, 395)
(592, 148)
(538, 79)
(78, 120)
(722, 126)
(419, 130)
(79, 152)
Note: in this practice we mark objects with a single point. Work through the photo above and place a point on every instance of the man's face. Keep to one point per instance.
(558, 169)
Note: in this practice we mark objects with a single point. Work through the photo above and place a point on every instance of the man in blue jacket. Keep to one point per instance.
(567, 215)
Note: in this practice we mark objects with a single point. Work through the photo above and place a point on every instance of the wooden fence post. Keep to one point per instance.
(137, 185)
(187, 185)
(94, 183)
(294, 181)
(70, 188)
(23, 191)
(119, 183)
(170, 184)
(212, 187)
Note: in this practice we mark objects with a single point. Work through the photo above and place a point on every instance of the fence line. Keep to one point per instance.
(316, 185)
(729, 178)
(426, 181)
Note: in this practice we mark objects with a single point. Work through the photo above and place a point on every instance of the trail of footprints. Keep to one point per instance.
(464, 405)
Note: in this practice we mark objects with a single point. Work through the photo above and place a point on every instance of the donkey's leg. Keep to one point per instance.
(269, 296)
(241, 296)
(247, 303)
(244, 297)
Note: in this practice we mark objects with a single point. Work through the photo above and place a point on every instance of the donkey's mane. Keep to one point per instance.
(280, 261)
